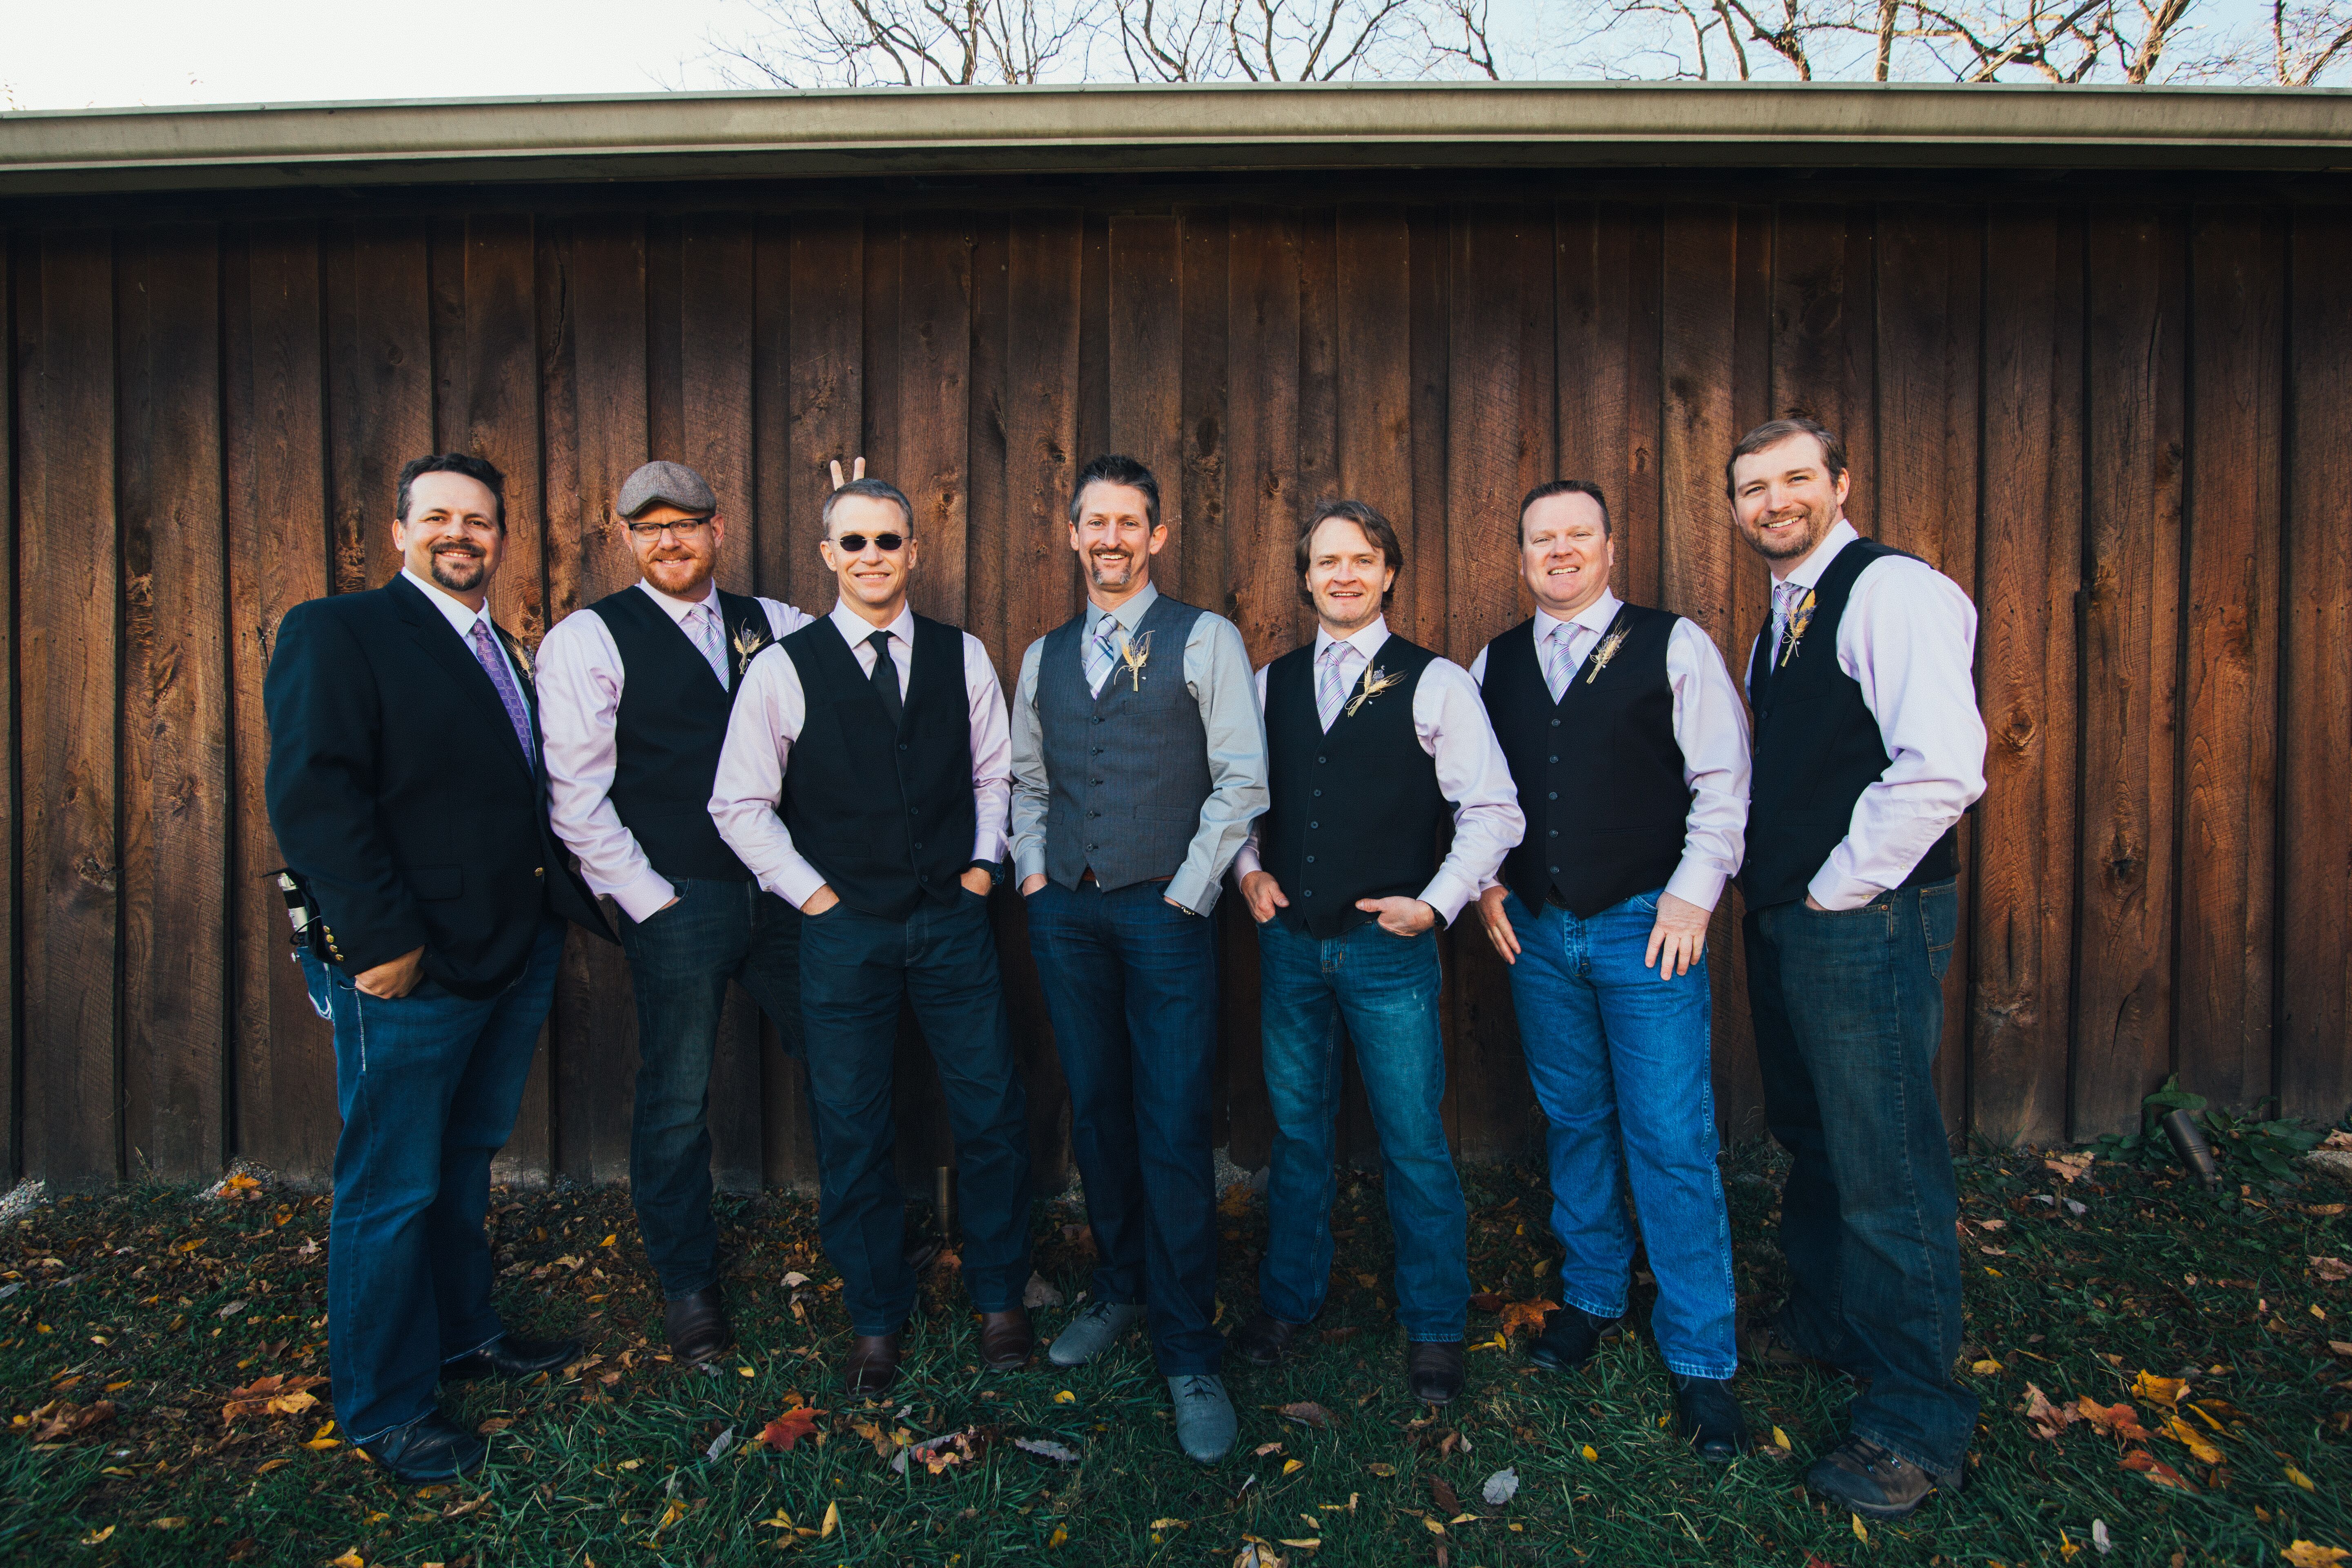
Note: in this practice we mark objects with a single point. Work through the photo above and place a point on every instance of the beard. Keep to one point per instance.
(1796, 544)
(1111, 568)
(459, 570)
(1351, 613)
(683, 575)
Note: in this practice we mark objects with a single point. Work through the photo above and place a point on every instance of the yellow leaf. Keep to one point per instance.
(2188, 1437)
(1060, 1536)
(610, 1240)
(1292, 1466)
(181, 1523)
(350, 1559)
(97, 1537)
(2299, 1479)
(1859, 1533)
(321, 1445)
(2311, 1555)
(2159, 1390)
(1305, 1543)
(1065, 1397)
(1591, 1453)
(2066, 1549)
(1985, 1368)
(1170, 1524)
(1432, 1527)
(831, 1521)
(1779, 1438)
(745, 1372)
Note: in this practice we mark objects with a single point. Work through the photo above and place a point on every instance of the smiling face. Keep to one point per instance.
(1784, 502)
(1565, 553)
(678, 559)
(451, 535)
(1347, 575)
(873, 580)
(1115, 539)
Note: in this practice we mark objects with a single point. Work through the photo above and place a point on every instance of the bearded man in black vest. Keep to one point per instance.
(1869, 747)
(634, 693)
(1625, 735)
(1369, 740)
(1139, 761)
(865, 779)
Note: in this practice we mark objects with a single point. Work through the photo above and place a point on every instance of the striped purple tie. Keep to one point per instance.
(494, 664)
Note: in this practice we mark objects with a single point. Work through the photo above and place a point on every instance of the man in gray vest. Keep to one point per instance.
(1139, 762)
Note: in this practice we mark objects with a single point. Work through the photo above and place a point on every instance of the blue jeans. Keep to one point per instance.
(1849, 1008)
(1131, 985)
(680, 960)
(1385, 989)
(428, 1085)
(856, 971)
(1620, 1061)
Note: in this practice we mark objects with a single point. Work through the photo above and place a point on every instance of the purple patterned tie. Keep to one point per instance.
(494, 664)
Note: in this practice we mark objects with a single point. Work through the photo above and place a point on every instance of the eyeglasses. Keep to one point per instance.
(856, 542)
(683, 528)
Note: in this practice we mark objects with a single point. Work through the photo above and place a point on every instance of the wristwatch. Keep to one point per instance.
(995, 869)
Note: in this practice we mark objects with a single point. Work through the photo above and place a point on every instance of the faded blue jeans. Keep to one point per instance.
(429, 1085)
(1849, 1009)
(1384, 988)
(1620, 1061)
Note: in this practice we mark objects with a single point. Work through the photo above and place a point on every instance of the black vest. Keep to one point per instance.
(670, 727)
(886, 816)
(1600, 772)
(1355, 812)
(1817, 749)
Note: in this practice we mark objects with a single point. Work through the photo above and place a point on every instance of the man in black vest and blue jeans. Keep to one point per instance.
(1369, 740)
(635, 692)
(864, 780)
(1869, 746)
(1625, 735)
(1139, 762)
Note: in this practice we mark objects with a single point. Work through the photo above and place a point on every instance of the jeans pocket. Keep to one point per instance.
(1939, 924)
(318, 981)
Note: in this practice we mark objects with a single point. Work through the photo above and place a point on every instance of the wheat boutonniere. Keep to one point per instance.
(1799, 619)
(1375, 681)
(749, 640)
(1603, 654)
(520, 655)
(1135, 655)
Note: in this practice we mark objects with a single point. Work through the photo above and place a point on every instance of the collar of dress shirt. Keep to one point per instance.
(1128, 615)
(856, 628)
(678, 609)
(1365, 640)
(453, 609)
(1808, 572)
(1594, 617)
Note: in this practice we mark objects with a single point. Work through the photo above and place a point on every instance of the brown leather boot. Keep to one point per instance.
(1005, 1340)
(697, 1325)
(873, 1363)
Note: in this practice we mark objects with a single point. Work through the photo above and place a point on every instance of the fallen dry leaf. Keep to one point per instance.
(2188, 1437)
(278, 1394)
(60, 1419)
(1046, 1449)
(2116, 1420)
(1527, 1315)
(2330, 1267)
(789, 1427)
(831, 1521)
(1487, 1302)
(2146, 1464)
(2311, 1555)
(2066, 1167)
(1500, 1487)
(1306, 1413)
(2159, 1390)
(1381, 1470)
(1447, 1501)
(2047, 1420)
(1234, 1202)
(2299, 1479)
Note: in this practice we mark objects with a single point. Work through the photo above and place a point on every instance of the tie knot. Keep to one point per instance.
(879, 642)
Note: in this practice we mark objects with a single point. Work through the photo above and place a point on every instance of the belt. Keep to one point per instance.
(1553, 899)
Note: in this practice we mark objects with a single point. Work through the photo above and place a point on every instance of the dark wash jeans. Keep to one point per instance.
(1849, 1007)
(428, 1085)
(855, 970)
(680, 960)
(1131, 985)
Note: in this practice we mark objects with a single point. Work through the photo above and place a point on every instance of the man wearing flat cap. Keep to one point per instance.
(635, 694)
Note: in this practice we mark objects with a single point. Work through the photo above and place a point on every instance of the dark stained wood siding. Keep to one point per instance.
(2123, 424)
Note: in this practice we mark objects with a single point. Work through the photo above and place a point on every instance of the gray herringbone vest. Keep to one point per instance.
(1129, 771)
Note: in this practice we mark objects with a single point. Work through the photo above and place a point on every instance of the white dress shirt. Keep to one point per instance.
(1909, 635)
(1710, 728)
(461, 620)
(769, 710)
(1449, 719)
(579, 681)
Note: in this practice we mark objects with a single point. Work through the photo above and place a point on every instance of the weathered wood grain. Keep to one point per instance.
(1144, 368)
(380, 397)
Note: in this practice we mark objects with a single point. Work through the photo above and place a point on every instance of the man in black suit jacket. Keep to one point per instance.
(406, 791)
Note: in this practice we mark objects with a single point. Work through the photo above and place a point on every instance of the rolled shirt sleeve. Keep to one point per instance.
(1449, 718)
(991, 752)
(1217, 673)
(1032, 795)
(769, 710)
(1711, 730)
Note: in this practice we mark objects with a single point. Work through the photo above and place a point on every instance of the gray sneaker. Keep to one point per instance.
(1092, 1330)
(1206, 1423)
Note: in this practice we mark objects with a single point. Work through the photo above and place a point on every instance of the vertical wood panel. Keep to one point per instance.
(1430, 259)
(2228, 699)
(933, 421)
(1205, 355)
(380, 388)
(2315, 1073)
(1823, 352)
(1144, 366)
(176, 817)
(2123, 1026)
(824, 385)
(1608, 417)
(12, 1063)
(2030, 572)
(67, 683)
(446, 265)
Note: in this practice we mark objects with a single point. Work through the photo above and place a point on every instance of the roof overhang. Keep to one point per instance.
(973, 131)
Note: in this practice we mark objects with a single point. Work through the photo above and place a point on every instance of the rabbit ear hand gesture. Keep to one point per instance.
(858, 471)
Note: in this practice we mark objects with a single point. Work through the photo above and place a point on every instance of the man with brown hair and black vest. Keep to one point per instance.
(865, 779)
(1369, 740)
(1624, 732)
(1869, 746)
(635, 692)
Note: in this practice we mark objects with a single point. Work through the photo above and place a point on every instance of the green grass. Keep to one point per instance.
(113, 1293)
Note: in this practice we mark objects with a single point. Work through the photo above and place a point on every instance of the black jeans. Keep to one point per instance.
(855, 970)
(680, 960)
(1849, 1008)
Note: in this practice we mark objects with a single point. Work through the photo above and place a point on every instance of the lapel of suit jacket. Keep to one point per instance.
(436, 636)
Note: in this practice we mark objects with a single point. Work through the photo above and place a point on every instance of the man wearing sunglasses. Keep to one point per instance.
(635, 692)
(865, 779)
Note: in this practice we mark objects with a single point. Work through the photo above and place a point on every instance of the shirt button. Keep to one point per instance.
(1098, 718)
(1307, 892)
(1094, 781)
(1096, 752)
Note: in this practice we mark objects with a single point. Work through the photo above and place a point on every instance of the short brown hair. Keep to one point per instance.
(1377, 528)
(1772, 432)
(1564, 488)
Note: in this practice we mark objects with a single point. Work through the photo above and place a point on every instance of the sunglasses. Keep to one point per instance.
(856, 542)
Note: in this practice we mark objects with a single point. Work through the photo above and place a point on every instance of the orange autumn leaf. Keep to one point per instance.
(789, 1427)
(2116, 1420)
(1527, 1315)
(2188, 1437)
(278, 1394)
(2159, 1390)
(2146, 1464)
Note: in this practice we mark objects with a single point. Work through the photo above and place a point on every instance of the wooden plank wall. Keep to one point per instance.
(2125, 429)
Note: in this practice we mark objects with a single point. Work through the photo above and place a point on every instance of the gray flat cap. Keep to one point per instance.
(673, 484)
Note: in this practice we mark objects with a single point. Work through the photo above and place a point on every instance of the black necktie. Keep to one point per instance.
(885, 675)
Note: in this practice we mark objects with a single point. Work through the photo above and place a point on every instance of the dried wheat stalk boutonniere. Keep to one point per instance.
(749, 640)
(1135, 655)
(1799, 619)
(1603, 654)
(521, 657)
(1375, 681)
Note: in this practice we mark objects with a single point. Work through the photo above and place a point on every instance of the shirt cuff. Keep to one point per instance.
(1245, 860)
(1446, 893)
(1697, 882)
(1835, 892)
(1028, 863)
(1187, 889)
(645, 896)
(796, 881)
(988, 845)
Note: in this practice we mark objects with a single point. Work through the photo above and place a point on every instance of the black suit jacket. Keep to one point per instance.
(398, 792)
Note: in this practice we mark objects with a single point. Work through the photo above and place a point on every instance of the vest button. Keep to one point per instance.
(1555, 723)
(1322, 759)
(1554, 870)
(1554, 795)
(1555, 758)
(910, 810)
(902, 746)
(1098, 718)
(1310, 860)
(1318, 794)
(1094, 814)
(919, 844)
(1307, 892)
(1555, 833)
(1313, 825)
(1096, 752)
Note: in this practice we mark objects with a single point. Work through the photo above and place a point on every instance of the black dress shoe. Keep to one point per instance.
(1871, 1481)
(512, 1356)
(431, 1448)
(1433, 1371)
(1709, 1417)
(919, 1252)
(1570, 1335)
(872, 1365)
(1265, 1340)
(697, 1325)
